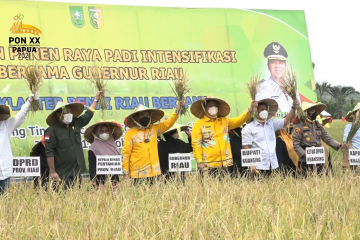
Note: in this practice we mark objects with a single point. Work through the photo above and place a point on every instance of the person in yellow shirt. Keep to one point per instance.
(140, 152)
(210, 139)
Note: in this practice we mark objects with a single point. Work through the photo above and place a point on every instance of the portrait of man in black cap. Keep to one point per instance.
(270, 88)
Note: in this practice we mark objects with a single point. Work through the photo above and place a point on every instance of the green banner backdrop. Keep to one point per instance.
(142, 49)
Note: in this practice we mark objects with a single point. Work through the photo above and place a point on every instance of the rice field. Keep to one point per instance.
(277, 208)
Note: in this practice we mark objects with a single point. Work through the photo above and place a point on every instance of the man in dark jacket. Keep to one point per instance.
(63, 140)
(173, 144)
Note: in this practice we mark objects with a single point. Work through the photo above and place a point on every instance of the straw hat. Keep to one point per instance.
(198, 111)
(40, 146)
(326, 120)
(116, 130)
(272, 105)
(177, 126)
(76, 110)
(156, 115)
(325, 114)
(5, 112)
(319, 107)
(349, 115)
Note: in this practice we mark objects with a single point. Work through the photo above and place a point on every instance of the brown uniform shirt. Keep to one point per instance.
(310, 134)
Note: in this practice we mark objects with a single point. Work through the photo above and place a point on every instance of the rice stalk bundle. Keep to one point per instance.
(289, 86)
(33, 78)
(181, 87)
(252, 88)
(99, 83)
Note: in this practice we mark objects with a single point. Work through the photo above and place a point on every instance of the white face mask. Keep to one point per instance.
(68, 118)
(213, 111)
(175, 135)
(264, 114)
(104, 136)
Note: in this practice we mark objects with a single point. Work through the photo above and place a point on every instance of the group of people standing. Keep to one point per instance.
(215, 139)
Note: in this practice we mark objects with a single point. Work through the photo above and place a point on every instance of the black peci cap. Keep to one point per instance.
(275, 51)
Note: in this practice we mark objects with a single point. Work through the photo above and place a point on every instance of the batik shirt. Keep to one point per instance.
(140, 156)
(211, 142)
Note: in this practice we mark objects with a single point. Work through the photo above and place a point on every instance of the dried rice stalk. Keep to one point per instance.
(252, 87)
(289, 86)
(99, 84)
(34, 81)
(181, 87)
(354, 127)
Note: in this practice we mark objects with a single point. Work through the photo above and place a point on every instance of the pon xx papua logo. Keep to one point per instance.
(19, 28)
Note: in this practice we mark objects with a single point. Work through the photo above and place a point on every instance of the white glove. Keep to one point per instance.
(31, 97)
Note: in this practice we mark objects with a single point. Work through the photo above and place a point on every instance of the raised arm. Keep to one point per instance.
(20, 117)
(89, 113)
(96, 100)
(291, 114)
(242, 118)
(86, 117)
(168, 123)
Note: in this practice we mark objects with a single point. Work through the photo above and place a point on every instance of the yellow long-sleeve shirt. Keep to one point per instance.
(141, 159)
(210, 139)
